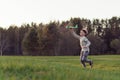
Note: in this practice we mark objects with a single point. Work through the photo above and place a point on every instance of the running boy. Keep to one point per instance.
(84, 43)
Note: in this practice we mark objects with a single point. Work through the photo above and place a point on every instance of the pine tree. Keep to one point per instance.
(30, 43)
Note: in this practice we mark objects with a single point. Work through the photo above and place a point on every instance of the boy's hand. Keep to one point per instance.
(84, 46)
(71, 29)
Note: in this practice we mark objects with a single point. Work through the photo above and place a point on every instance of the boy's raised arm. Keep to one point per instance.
(74, 34)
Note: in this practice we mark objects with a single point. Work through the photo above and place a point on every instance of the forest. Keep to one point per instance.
(54, 39)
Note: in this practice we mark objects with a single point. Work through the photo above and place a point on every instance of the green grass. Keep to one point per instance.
(106, 67)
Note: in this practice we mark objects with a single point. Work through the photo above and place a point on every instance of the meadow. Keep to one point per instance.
(106, 67)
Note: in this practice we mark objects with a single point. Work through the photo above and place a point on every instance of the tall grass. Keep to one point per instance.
(105, 67)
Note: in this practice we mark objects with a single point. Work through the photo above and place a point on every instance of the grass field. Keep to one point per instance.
(106, 67)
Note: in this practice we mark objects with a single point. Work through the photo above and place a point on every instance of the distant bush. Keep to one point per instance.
(115, 44)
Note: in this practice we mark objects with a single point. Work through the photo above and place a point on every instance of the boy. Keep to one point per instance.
(84, 43)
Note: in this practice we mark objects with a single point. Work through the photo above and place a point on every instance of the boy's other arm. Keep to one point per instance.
(88, 43)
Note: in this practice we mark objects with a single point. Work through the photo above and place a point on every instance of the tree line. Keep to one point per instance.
(54, 39)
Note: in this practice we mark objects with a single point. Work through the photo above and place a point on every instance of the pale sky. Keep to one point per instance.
(26, 11)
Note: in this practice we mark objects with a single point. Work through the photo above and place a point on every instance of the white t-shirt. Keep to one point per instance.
(84, 42)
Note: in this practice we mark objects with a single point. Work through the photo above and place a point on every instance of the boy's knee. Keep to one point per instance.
(83, 59)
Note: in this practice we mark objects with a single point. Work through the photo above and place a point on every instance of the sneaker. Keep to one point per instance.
(91, 64)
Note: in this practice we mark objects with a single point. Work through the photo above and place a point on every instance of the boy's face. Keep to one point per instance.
(82, 33)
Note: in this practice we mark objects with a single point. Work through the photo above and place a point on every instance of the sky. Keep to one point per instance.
(18, 12)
